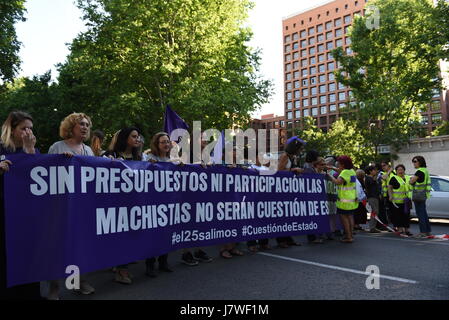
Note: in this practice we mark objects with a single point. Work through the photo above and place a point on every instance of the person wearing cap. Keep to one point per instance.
(289, 161)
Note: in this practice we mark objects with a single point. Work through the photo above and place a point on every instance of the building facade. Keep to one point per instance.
(310, 88)
(271, 121)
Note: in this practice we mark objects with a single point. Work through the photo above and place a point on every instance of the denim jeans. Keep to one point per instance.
(421, 213)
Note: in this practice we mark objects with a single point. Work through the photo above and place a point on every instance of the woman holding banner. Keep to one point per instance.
(289, 162)
(74, 130)
(17, 137)
(160, 152)
(125, 147)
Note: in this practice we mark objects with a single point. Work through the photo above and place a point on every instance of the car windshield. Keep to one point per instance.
(440, 185)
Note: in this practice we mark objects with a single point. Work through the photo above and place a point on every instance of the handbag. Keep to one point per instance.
(419, 195)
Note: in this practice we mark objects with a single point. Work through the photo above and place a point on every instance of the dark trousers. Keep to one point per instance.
(163, 260)
(261, 242)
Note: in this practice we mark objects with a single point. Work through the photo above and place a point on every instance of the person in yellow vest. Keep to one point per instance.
(386, 174)
(398, 192)
(420, 182)
(347, 201)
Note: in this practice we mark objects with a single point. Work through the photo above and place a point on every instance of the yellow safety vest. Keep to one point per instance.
(347, 193)
(426, 184)
(403, 192)
(386, 182)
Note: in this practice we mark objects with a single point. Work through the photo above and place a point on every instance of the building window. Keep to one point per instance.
(425, 120)
(312, 80)
(323, 99)
(436, 118)
(289, 115)
(328, 25)
(321, 68)
(338, 33)
(305, 102)
(332, 97)
(321, 58)
(295, 65)
(296, 74)
(289, 105)
(329, 45)
(322, 78)
(297, 104)
(341, 96)
(337, 22)
(314, 101)
(314, 112)
(305, 92)
(341, 86)
(289, 95)
(295, 55)
(323, 110)
(295, 36)
(332, 86)
(329, 56)
(288, 58)
(288, 76)
(436, 93)
(287, 48)
(288, 67)
(303, 43)
(339, 43)
(320, 38)
(435, 105)
(312, 70)
(311, 41)
(297, 114)
(341, 105)
(312, 60)
(288, 86)
(332, 108)
(295, 46)
(348, 51)
(305, 112)
(296, 84)
(303, 53)
(314, 91)
(321, 48)
(348, 40)
(304, 63)
(348, 19)
(331, 77)
(305, 82)
(319, 28)
(296, 94)
(287, 39)
(330, 66)
(312, 51)
(329, 35)
(323, 88)
(311, 31)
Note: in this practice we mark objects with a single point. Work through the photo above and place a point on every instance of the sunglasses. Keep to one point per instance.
(414, 161)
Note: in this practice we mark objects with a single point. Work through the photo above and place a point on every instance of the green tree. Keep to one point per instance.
(394, 69)
(11, 11)
(442, 129)
(139, 56)
(39, 97)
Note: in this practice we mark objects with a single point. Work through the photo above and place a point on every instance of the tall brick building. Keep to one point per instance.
(310, 88)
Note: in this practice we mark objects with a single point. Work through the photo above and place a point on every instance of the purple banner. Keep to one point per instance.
(96, 213)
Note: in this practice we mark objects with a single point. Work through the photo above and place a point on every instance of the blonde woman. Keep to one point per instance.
(74, 130)
(17, 137)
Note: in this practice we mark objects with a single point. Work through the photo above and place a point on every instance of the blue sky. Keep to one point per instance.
(51, 24)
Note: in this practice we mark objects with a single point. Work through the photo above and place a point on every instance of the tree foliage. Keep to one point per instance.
(139, 56)
(11, 11)
(394, 68)
(442, 129)
(343, 138)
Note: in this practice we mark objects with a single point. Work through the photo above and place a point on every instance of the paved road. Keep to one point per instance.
(409, 268)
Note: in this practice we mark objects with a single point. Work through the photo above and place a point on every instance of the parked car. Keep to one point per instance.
(438, 204)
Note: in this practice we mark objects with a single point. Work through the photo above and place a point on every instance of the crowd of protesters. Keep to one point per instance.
(383, 192)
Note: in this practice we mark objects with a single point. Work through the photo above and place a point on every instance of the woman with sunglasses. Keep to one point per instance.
(421, 183)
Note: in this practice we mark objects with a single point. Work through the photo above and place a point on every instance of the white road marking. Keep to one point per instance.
(424, 241)
(328, 266)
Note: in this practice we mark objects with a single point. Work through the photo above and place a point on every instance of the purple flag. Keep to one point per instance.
(172, 121)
